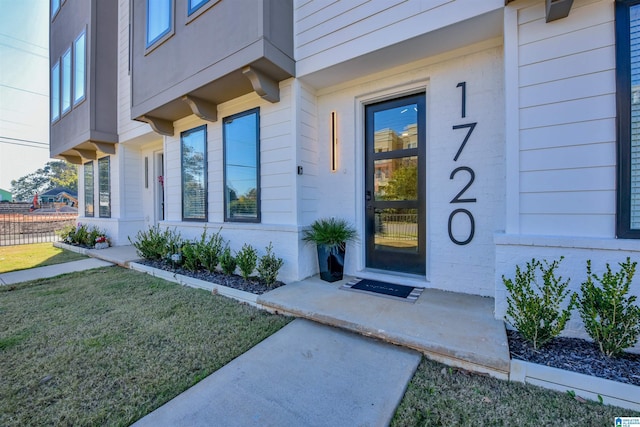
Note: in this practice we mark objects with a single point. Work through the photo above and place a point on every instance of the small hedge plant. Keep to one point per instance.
(246, 258)
(534, 309)
(269, 265)
(610, 316)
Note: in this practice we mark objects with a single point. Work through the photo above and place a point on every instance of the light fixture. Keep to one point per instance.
(334, 141)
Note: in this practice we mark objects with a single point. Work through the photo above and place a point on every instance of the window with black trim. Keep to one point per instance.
(159, 20)
(55, 91)
(628, 116)
(241, 152)
(88, 189)
(193, 148)
(79, 67)
(104, 188)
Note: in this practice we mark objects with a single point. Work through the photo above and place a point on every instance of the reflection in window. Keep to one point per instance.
(55, 5)
(396, 229)
(628, 94)
(66, 81)
(241, 167)
(195, 5)
(194, 174)
(55, 92)
(79, 68)
(88, 189)
(396, 179)
(159, 17)
(104, 188)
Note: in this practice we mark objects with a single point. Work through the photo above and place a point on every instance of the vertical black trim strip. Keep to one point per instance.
(623, 119)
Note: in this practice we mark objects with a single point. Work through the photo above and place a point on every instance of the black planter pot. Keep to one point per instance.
(331, 262)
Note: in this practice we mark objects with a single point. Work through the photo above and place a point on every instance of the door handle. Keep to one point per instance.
(367, 196)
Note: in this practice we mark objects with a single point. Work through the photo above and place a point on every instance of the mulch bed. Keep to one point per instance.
(253, 285)
(577, 355)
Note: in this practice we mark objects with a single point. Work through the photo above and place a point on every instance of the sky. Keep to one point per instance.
(24, 88)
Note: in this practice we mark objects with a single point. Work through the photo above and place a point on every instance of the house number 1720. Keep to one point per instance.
(463, 171)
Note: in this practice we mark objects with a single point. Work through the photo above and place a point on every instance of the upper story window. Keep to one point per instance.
(159, 20)
(194, 174)
(66, 81)
(195, 5)
(628, 111)
(55, 6)
(79, 67)
(241, 151)
(69, 78)
(55, 91)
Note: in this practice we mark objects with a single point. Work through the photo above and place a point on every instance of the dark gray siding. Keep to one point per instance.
(205, 56)
(95, 118)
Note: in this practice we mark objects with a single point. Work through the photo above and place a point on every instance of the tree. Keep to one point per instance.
(404, 184)
(57, 173)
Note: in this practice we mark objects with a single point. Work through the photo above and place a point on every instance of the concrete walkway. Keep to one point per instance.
(14, 277)
(306, 374)
(319, 372)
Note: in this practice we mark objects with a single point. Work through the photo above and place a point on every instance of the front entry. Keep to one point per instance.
(395, 187)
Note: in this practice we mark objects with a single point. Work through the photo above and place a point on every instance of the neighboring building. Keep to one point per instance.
(5, 196)
(259, 116)
(59, 195)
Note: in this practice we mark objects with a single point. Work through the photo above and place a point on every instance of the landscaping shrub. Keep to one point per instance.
(268, 266)
(190, 259)
(227, 261)
(246, 258)
(158, 245)
(610, 317)
(536, 313)
(82, 235)
(209, 250)
(150, 244)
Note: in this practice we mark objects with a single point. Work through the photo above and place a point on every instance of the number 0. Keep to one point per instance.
(471, 232)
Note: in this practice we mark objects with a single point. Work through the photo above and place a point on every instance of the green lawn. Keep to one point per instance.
(107, 346)
(442, 396)
(20, 257)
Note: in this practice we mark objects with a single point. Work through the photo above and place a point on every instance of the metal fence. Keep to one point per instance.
(397, 226)
(22, 229)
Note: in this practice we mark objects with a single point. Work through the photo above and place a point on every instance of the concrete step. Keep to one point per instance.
(457, 329)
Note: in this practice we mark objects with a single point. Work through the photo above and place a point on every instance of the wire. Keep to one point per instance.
(22, 40)
(25, 140)
(25, 90)
(23, 145)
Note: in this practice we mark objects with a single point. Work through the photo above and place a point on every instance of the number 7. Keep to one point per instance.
(471, 127)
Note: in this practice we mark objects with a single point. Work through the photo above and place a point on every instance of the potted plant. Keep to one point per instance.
(330, 236)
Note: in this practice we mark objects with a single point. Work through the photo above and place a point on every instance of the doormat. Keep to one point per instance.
(384, 289)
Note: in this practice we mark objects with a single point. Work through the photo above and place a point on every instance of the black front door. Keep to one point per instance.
(395, 185)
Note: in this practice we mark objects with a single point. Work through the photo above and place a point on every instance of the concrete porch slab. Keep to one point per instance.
(456, 329)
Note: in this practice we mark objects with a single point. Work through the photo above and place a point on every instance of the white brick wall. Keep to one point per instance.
(452, 267)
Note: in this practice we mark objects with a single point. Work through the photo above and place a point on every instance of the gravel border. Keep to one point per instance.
(578, 355)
